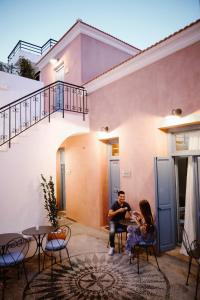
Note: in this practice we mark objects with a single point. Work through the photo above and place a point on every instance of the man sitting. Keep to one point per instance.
(116, 213)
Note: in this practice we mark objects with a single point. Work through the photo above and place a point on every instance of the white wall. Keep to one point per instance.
(13, 87)
(33, 153)
(33, 57)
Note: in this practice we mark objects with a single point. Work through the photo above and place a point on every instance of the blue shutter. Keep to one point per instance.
(165, 202)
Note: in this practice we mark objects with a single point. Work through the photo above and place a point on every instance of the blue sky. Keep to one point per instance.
(138, 22)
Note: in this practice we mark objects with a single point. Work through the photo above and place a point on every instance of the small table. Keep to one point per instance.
(38, 235)
(127, 222)
(5, 238)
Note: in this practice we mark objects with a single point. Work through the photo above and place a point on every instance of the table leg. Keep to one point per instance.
(39, 245)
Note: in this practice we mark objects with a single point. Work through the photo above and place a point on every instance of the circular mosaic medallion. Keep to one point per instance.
(98, 276)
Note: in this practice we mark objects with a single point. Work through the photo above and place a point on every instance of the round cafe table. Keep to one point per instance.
(38, 234)
(127, 222)
(6, 237)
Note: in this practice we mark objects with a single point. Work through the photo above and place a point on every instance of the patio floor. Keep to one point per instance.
(95, 275)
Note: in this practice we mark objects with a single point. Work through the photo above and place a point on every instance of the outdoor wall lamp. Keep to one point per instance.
(53, 61)
(105, 128)
(177, 112)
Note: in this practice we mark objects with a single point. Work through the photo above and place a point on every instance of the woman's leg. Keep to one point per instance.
(133, 237)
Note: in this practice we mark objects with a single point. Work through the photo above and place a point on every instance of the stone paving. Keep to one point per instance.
(88, 251)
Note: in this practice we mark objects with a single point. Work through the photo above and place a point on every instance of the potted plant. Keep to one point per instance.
(25, 68)
(50, 200)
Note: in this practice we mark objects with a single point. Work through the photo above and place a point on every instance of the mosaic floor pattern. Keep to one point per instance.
(97, 276)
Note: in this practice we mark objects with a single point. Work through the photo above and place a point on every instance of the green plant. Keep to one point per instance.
(50, 200)
(25, 68)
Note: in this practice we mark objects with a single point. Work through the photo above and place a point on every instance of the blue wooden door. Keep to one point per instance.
(114, 180)
(165, 202)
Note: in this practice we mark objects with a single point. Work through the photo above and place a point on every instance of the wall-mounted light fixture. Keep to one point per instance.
(105, 128)
(54, 61)
(177, 112)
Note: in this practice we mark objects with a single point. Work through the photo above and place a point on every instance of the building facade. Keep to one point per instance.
(128, 140)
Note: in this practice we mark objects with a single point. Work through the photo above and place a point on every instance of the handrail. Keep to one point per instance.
(25, 112)
(39, 90)
(52, 42)
(31, 47)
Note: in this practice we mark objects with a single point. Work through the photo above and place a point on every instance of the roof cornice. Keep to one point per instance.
(175, 42)
(82, 28)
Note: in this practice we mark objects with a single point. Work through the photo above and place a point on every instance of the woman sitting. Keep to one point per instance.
(144, 231)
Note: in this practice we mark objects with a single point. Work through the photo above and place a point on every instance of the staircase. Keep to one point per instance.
(18, 116)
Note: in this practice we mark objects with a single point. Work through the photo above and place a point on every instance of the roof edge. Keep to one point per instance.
(79, 26)
(90, 85)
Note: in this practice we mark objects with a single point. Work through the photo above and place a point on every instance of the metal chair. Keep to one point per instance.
(147, 245)
(56, 242)
(193, 251)
(11, 255)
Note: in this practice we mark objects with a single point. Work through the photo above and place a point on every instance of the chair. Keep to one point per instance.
(56, 242)
(148, 245)
(13, 254)
(193, 250)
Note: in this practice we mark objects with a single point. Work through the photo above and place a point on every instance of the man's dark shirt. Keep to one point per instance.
(121, 215)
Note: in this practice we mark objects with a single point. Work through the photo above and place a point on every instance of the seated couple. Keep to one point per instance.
(121, 210)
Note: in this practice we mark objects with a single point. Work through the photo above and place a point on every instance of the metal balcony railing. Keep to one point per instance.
(20, 115)
(22, 45)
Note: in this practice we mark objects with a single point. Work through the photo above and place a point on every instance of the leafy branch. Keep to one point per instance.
(50, 200)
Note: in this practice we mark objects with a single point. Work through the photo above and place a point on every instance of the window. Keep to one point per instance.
(185, 143)
(115, 149)
(182, 141)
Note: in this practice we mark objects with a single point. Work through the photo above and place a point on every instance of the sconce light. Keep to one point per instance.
(177, 112)
(105, 128)
(54, 61)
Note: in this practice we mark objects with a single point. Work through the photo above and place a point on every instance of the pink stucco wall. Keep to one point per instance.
(85, 58)
(71, 56)
(86, 194)
(97, 57)
(134, 105)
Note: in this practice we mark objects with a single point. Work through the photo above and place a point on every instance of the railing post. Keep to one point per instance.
(63, 99)
(49, 106)
(9, 121)
(84, 105)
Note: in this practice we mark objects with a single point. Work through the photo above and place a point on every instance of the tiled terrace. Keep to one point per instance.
(95, 275)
